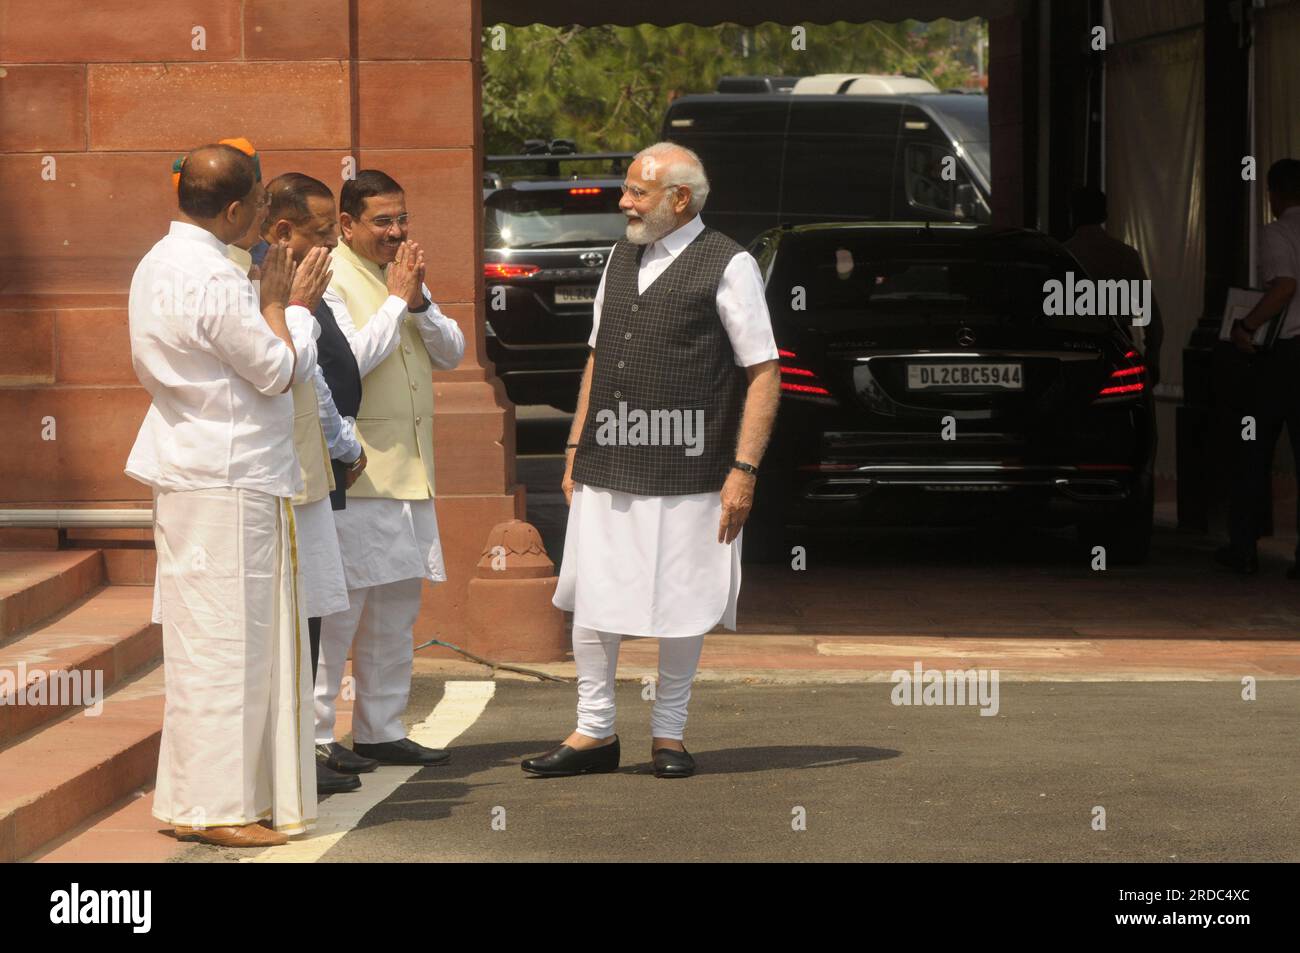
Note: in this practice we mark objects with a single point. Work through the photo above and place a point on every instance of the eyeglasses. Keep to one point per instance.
(385, 222)
(639, 193)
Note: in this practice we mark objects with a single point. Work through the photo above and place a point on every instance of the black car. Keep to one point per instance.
(792, 159)
(923, 383)
(547, 240)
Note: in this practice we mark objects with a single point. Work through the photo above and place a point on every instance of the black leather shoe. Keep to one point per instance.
(673, 764)
(329, 781)
(1247, 565)
(404, 751)
(343, 760)
(564, 761)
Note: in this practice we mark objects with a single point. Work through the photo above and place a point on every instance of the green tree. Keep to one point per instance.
(607, 87)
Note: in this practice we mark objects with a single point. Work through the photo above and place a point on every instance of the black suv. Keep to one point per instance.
(923, 383)
(793, 159)
(547, 238)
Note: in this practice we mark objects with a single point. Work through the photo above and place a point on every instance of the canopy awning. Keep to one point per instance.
(744, 12)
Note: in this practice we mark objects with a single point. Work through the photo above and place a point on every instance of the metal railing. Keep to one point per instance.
(76, 519)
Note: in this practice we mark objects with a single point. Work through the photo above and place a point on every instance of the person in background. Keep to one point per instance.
(1106, 258)
(1277, 377)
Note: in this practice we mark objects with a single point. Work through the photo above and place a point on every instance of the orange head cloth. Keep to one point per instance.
(242, 144)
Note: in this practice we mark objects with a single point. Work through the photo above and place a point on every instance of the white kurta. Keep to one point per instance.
(648, 565)
(652, 565)
(320, 565)
(237, 724)
(383, 541)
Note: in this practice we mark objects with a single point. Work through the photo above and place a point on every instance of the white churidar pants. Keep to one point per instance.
(377, 627)
(596, 655)
(389, 547)
(236, 739)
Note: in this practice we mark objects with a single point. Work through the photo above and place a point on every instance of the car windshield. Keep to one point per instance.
(579, 215)
(854, 280)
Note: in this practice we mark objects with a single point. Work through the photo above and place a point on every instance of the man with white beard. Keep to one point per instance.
(681, 332)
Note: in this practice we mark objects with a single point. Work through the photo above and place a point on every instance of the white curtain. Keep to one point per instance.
(1155, 132)
(1277, 92)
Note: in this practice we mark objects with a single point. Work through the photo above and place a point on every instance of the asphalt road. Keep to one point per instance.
(1186, 771)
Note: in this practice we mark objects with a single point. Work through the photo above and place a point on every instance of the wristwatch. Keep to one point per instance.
(747, 467)
(357, 462)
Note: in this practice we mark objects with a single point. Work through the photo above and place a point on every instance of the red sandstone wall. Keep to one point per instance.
(112, 91)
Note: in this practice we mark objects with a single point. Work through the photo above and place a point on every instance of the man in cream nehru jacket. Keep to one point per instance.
(682, 342)
(388, 533)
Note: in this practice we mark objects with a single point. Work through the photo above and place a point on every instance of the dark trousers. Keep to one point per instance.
(313, 632)
(1275, 403)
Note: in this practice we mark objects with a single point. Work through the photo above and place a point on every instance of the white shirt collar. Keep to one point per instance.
(681, 236)
(195, 234)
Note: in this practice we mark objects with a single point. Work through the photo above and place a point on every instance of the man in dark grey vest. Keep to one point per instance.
(675, 409)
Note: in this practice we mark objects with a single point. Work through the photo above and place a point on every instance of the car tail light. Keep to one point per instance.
(501, 269)
(585, 191)
(1126, 382)
(799, 380)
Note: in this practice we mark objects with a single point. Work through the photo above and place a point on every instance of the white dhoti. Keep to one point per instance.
(236, 740)
(320, 567)
(389, 548)
(647, 565)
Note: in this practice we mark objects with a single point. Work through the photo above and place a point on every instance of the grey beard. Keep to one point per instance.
(654, 226)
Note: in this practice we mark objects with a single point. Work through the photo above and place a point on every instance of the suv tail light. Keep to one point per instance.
(799, 380)
(496, 270)
(1126, 382)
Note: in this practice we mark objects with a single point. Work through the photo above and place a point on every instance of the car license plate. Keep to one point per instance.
(964, 376)
(575, 294)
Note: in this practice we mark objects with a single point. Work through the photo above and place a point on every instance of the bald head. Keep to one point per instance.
(212, 177)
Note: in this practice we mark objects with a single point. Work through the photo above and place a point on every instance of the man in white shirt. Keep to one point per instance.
(388, 533)
(216, 447)
(1277, 396)
(660, 492)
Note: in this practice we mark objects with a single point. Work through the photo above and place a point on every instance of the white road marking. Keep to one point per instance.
(460, 707)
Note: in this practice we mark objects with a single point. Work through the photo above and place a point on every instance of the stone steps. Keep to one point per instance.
(35, 585)
(77, 655)
(72, 746)
(55, 779)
